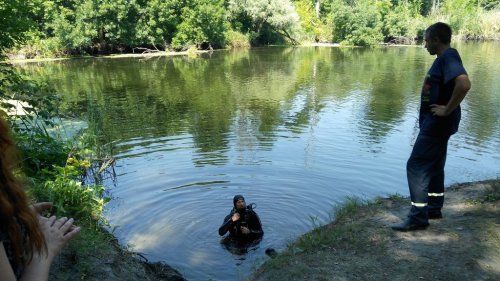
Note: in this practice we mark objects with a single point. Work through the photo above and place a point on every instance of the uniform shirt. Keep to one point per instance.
(437, 89)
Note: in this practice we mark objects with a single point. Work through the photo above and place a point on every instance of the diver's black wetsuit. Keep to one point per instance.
(248, 218)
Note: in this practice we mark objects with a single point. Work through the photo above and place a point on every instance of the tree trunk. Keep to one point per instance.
(435, 5)
(317, 8)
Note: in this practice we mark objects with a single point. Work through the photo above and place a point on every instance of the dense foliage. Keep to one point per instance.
(53, 168)
(62, 27)
(14, 22)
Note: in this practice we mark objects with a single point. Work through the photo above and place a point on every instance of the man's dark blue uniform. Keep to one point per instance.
(445, 86)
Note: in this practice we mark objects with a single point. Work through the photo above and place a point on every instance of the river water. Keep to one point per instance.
(294, 130)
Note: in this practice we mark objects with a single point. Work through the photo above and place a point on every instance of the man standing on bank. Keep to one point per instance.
(445, 86)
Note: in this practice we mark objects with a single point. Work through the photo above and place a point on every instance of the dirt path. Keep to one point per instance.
(464, 245)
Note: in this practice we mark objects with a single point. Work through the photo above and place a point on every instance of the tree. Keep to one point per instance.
(358, 25)
(278, 16)
(203, 22)
(14, 22)
(401, 23)
(158, 22)
(107, 23)
(309, 20)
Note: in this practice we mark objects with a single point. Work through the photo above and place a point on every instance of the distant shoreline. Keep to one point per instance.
(188, 52)
(182, 53)
(111, 56)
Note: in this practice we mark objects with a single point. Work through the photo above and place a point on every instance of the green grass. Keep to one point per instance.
(326, 235)
(350, 206)
(346, 233)
(356, 239)
(398, 198)
(492, 193)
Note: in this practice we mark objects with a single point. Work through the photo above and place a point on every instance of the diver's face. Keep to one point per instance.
(240, 204)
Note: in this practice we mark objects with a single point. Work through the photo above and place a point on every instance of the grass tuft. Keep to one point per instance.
(492, 192)
(350, 206)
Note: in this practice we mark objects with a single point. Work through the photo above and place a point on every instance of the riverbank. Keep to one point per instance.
(359, 244)
(13, 59)
(20, 59)
(96, 256)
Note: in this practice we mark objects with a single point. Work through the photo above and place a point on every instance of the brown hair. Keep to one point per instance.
(17, 219)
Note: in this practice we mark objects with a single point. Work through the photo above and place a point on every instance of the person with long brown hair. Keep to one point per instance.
(29, 242)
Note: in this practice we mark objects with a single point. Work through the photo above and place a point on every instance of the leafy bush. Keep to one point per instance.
(158, 22)
(14, 22)
(403, 24)
(314, 27)
(397, 22)
(459, 12)
(203, 22)
(39, 152)
(358, 25)
(267, 21)
(237, 40)
(63, 183)
(70, 197)
(482, 25)
(55, 176)
(468, 20)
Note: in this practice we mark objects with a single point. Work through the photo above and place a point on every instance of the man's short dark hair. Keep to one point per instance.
(441, 31)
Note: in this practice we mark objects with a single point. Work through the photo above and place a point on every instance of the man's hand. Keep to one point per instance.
(245, 230)
(235, 217)
(439, 110)
(462, 86)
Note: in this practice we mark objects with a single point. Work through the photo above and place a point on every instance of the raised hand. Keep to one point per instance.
(235, 217)
(57, 233)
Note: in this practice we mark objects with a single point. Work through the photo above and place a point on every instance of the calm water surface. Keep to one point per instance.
(295, 130)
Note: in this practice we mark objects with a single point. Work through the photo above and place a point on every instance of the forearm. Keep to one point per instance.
(37, 269)
(57, 233)
(225, 227)
(6, 271)
(462, 86)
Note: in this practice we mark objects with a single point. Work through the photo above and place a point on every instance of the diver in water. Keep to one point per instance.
(242, 222)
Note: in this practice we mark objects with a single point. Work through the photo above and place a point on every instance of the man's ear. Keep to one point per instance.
(436, 40)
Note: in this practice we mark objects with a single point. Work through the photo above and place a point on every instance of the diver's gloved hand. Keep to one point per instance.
(235, 217)
(245, 230)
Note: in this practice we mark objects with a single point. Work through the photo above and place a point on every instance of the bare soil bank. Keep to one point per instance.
(107, 262)
(360, 245)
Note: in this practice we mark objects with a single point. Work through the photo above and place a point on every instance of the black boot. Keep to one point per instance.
(435, 215)
(409, 225)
